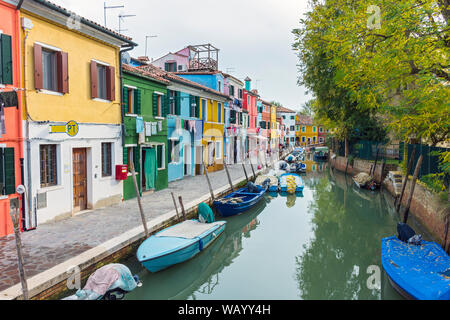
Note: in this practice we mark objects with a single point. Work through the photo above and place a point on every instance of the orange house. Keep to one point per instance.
(11, 148)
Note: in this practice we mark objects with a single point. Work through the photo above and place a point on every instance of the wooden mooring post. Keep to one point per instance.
(138, 196)
(209, 182)
(182, 207)
(245, 171)
(372, 173)
(228, 176)
(398, 200)
(175, 204)
(20, 262)
(411, 192)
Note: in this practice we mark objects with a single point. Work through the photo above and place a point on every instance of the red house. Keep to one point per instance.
(11, 149)
(249, 103)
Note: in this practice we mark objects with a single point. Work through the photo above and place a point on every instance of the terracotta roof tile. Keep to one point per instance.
(284, 110)
(145, 73)
(306, 120)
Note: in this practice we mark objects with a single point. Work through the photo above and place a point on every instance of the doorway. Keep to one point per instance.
(187, 160)
(79, 180)
(149, 169)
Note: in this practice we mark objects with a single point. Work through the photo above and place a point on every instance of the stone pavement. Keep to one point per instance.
(53, 243)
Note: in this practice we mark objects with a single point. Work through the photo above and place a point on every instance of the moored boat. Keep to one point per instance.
(297, 180)
(267, 181)
(420, 271)
(239, 201)
(178, 243)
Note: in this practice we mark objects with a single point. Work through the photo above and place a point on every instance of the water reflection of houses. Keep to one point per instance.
(201, 274)
(313, 166)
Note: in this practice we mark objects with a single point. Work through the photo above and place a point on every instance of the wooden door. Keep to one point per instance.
(79, 180)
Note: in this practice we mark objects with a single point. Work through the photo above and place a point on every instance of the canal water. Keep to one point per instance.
(322, 244)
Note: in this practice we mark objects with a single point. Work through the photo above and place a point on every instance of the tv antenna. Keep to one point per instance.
(121, 16)
(110, 7)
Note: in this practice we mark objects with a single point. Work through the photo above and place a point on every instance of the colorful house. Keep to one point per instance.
(72, 112)
(307, 132)
(250, 98)
(145, 112)
(265, 124)
(288, 117)
(11, 145)
(274, 128)
(235, 136)
(184, 125)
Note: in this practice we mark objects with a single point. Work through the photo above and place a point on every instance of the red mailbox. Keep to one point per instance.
(121, 172)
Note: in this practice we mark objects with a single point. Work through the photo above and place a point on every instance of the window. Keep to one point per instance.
(101, 77)
(303, 139)
(298, 128)
(129, 93)
(231, 90)
(7, 172)
(303, 129)
(293, 139)
(172, 105)
(170, 66)
(48, 165)
(6, 67)
(219, 112)
(314, 129)
(51, 69)
(174, 151)
(106, 159)
(292, 128)
(256, 122)
(204, 111)
(292, 117)
(218, 149)
(320, 129)
(219, 86)
(160, 154)
(320, 139)
(284, 117)
(102, 81)
(248, 101)
(240, 93)
(314, 139)
(159, 112)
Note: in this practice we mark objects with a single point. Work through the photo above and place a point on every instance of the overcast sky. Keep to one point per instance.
(254, 36)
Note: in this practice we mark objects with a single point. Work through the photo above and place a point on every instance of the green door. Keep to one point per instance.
(150, 169)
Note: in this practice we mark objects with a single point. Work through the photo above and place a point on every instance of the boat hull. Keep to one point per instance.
(233, 209)
(416, 271)
(190, 250)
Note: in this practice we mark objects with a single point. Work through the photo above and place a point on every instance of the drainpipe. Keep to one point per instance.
(125, 49)
(19, 5)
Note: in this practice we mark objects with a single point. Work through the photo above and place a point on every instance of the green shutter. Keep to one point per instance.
(7, 65)
(125, 100)
(155, 104)
(137, 101)
(166, 66)
(1, 171)
(136, 159)
(159, 150)
(164, 105)
(10, 183)
(170, 151)
(125, 155)
(177, 103)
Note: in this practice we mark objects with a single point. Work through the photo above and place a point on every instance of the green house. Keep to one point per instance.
(144, 130)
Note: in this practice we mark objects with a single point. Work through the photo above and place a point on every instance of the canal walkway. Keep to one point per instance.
(52, 248)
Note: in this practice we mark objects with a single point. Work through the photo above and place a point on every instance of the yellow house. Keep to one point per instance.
(274, 135)
(306, 132)
(72, 113)
(212, 112)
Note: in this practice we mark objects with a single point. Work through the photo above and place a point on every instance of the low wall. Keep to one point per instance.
(426, 207)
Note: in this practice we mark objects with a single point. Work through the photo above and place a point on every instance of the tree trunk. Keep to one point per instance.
(346, 147)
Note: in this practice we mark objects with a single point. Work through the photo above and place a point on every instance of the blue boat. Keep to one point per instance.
(178, 243)
(239, 201)
(298, 180)
(419, 272)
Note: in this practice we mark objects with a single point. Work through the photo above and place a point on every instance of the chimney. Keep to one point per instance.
(143, 59)
(248, 84)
